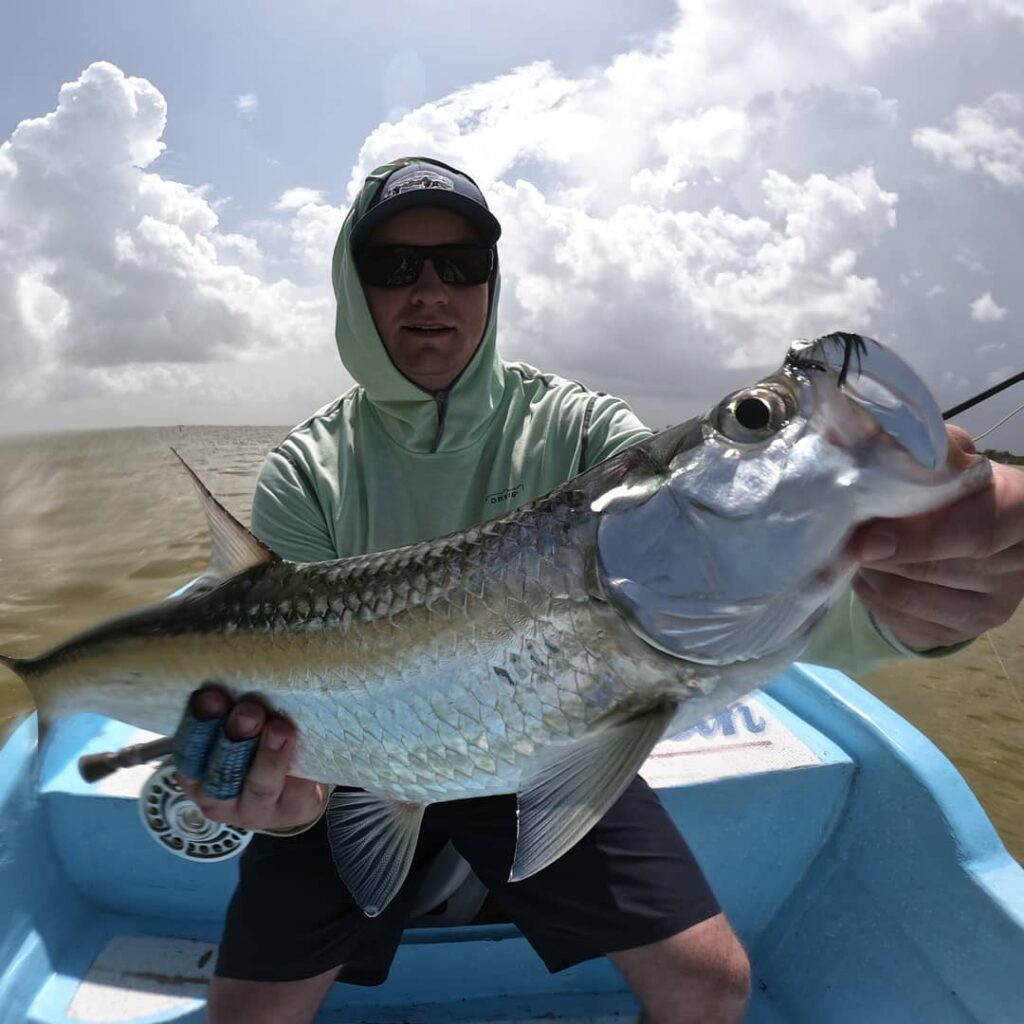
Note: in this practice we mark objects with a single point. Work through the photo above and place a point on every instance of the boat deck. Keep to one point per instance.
(139, 978)
(852, 860)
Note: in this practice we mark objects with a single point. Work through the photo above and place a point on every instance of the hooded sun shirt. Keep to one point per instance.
(389, 464)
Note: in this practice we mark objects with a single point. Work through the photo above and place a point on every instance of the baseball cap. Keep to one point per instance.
(421, 182)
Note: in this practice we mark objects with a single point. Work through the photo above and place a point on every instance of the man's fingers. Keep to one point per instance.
(915, 632)
(978, 526)
(960, 612)
(946, 533)
(198, 730)
(256, 794)
(210, 702)
(961, 437)
(981, 576)
(246, 720)
(302, 801)
(269, 770)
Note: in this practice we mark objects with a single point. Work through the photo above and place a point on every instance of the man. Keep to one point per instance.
(437, 435)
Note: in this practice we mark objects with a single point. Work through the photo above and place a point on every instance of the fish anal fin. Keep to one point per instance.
(571, 789)
(372, 841)
(234, 547)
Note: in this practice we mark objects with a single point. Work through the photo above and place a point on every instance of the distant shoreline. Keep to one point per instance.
(997, 455)
(31, 435)
(1006, 457)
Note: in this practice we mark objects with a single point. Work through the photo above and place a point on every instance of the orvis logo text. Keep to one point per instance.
(506, 495)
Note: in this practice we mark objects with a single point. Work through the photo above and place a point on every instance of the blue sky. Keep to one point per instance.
(325, 73)
(683, 190)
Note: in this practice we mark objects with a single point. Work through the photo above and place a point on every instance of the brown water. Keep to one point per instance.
(92, 524)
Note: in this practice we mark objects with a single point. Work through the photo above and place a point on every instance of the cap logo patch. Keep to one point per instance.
(426, 179)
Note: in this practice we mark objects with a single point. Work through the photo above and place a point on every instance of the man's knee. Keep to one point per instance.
(712, 964)
(233, 1001)
(729, 971)
(700, 974)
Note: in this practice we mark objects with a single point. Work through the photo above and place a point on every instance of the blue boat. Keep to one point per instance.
(854, 862)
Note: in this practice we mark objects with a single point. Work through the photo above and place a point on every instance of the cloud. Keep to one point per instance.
(296, 198)
(247, 105)
(986, 310)
(734, 184)
(641, 205)
(119, 268)
(984, 140)
(643, 279)
(672, 218)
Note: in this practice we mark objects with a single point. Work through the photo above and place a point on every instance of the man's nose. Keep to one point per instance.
(429, 286)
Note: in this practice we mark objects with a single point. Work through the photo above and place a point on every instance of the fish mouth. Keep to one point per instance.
(881, 384)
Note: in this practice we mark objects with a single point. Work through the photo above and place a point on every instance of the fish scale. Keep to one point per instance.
(543, 653)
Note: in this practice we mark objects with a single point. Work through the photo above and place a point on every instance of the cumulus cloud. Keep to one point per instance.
(986, 310)
(296, 198)
(985, 140)
(642, 206)
(247, 105)
(672, 219)
(701, 201)
(121, 274)
(673, 285)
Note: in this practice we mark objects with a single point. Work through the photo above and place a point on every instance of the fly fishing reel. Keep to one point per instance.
(178, 825)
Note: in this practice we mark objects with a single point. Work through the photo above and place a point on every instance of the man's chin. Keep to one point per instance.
(431, 379)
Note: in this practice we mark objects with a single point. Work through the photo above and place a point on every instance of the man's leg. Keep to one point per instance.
(697, 976)
(630, 889)
(233, 1001)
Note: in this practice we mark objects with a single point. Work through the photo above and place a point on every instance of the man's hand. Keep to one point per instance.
(947, 576)
(270, 798)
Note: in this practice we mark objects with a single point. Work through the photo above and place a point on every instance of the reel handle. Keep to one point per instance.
(94, 767)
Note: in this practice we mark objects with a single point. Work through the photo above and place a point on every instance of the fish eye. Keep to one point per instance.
(754, 414)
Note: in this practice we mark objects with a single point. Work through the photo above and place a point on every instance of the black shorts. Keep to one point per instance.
(630, 881)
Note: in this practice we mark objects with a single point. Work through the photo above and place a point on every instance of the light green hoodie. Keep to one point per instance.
(389, 463)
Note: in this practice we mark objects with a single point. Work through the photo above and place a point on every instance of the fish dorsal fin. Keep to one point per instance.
(570, 789)
(372, 841)
(234, 547)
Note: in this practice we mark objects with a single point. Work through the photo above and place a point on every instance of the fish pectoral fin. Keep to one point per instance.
(372, 841)
(627, 495)
(571, 789)
(234, 547)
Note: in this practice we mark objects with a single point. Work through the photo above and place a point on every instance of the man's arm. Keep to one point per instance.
(855, 642)
(612, 426)
(287, 515)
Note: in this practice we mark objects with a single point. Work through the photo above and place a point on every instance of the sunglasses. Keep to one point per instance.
(398, 266)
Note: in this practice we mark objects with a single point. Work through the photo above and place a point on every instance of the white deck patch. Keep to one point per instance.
(744, 739)
(129, 781)
(136, 977)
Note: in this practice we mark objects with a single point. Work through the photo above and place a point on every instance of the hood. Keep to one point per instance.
(408, 413)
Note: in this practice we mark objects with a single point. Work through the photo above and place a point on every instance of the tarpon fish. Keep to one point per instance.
(546, 652)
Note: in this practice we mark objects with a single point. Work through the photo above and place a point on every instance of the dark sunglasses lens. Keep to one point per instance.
(389, 266)
(398, 266)
(463, 264)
